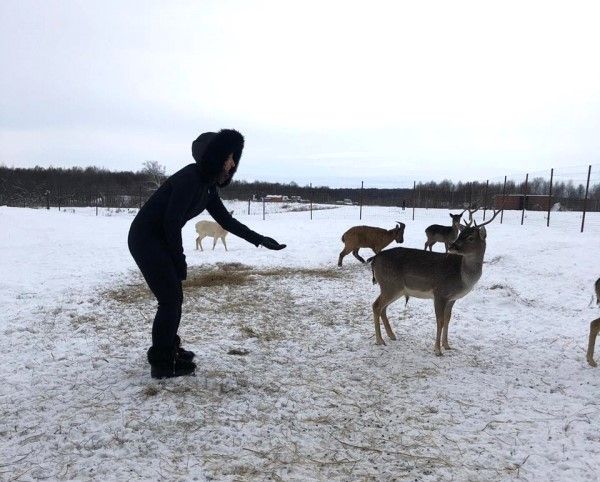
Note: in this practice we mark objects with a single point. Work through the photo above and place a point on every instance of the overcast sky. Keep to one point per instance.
(328, 92)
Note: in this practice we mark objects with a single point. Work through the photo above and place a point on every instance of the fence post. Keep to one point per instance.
(503, 200)
(248, 207)
(487, 182)
(361, 199)
(587, 187)
(414, 198)
(550, 197)
(47, 193)
(264, 208)
(311, 200)
(524, 199)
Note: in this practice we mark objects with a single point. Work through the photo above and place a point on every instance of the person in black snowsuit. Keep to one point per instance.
(156, 246)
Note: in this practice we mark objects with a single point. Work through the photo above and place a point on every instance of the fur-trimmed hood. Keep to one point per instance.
(211, 150)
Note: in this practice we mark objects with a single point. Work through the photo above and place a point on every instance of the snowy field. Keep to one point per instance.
(290, 385)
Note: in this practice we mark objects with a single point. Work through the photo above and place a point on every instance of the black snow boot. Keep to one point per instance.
(182, 353)
(168, 364)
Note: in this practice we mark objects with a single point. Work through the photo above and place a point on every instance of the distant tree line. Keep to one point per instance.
(451, 195)
(96, 186)
(77, 186)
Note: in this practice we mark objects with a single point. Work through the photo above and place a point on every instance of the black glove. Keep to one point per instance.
(270, 243)
(181, 269)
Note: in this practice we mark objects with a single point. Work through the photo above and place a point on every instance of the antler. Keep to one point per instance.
(496, 212)
(471, 212)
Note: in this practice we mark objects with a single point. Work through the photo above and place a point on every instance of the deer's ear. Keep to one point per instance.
(482, 233)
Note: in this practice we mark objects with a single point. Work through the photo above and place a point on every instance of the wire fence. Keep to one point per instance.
(574, 189)
(564, 189)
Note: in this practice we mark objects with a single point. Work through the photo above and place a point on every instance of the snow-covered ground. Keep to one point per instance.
(290, 385)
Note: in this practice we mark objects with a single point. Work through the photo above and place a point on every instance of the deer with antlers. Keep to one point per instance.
(442, 277)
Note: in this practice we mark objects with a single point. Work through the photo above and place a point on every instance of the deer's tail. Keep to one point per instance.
(370, 261)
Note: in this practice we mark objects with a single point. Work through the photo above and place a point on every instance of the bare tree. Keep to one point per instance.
(155, 173)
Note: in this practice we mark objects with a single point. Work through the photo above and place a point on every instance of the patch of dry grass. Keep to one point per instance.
(79, 320)
(248, 332)
(129, 293)
(151, 391)
(214, 278)
(225, 274)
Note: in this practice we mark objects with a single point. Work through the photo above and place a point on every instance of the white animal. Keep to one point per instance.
(212, 229)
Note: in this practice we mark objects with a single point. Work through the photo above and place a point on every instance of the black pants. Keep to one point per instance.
(152, 257)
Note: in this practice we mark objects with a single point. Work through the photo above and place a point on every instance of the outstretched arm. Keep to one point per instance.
(220, 214)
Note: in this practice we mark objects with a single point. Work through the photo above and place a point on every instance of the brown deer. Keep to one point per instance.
(444, 278)
(369, 237)
(594, 329)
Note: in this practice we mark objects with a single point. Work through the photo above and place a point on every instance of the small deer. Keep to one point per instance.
(594, 329)
(444, 278)
(437, 233)
(212, 229)
(369, 237)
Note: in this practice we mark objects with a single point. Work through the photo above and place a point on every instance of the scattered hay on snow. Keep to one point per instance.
(223, 274)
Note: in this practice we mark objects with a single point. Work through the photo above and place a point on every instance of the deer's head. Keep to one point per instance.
(470, 241)
(456, 218)
(399, 232)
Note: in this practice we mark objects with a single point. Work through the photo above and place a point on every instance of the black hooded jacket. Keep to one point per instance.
(190, 191)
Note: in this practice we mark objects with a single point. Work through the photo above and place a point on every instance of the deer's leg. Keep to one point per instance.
(224, 244)
(594, 329)
(447, 314)
(386, 324)
(426, 245)
(342, 254)
(440, 307)
(199, 241)
(357, 256)
(376, 314)
(215, 242)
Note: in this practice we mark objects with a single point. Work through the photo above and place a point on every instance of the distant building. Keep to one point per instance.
(273, 198)
(532, 202)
